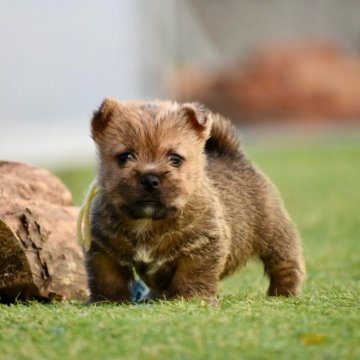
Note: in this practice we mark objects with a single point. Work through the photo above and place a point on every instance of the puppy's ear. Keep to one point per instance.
(102, 116)
(198, 117)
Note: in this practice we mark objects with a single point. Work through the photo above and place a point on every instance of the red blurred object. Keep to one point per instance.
(302, 81)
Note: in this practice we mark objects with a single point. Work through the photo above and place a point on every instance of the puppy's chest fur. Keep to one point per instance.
(151, 256)
(155, 270)
(155, 256)
(145, 259)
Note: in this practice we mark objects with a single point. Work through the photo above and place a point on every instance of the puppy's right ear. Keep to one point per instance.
(102, 116)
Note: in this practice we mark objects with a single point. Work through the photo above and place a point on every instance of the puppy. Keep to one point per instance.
(180, 204)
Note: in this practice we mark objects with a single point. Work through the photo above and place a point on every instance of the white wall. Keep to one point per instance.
(58, 60)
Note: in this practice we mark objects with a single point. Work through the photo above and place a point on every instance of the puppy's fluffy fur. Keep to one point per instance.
(181, 204)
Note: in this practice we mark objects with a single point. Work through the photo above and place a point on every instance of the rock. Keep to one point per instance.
(39, 254)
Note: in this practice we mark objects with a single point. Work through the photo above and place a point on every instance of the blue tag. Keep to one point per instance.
(139, 292)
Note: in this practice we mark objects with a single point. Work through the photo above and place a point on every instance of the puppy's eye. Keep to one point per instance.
(175, 159)
(125, 157)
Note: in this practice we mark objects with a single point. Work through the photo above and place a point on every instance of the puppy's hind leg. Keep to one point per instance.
(286, 276)
(284, 264)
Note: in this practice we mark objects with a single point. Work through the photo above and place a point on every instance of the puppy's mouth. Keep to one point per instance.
(147, 209)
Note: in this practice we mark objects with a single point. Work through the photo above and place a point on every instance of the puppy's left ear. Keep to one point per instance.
(198, 116)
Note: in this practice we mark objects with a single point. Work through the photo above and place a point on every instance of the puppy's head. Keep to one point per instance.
(151, 155)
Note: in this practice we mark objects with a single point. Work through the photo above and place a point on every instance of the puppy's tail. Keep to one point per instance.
(223, 140)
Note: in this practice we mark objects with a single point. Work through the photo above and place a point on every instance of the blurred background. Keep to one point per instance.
(276, 67)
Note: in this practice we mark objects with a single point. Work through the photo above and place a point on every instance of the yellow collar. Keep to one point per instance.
(83, 222)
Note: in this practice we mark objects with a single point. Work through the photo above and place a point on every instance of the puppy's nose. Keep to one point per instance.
(150, 182)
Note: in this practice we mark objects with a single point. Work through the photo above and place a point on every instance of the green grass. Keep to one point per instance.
(321, 188)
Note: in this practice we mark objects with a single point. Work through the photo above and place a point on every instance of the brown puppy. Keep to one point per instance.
(180, 203)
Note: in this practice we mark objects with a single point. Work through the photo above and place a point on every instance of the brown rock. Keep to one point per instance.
(39, 255)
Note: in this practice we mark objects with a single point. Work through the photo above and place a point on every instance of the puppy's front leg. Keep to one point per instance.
(108, 280)
(196, 276)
